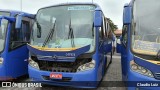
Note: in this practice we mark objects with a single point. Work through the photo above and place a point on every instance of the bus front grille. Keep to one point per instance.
(53, 66)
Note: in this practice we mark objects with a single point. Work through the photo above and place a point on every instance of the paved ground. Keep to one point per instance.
(113, 74)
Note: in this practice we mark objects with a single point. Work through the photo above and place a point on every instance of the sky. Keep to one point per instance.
(112, 9)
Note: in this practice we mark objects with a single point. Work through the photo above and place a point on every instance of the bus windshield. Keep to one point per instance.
(3, 29)
(146, 27)
(66, 27)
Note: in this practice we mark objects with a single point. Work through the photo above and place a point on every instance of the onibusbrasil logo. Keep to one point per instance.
(20, 85)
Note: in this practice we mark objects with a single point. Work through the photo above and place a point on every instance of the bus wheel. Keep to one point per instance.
(104, 66)
(113, 50)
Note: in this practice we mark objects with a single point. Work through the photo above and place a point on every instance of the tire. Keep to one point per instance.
(104, 66)
(111, 58)
(113, 50)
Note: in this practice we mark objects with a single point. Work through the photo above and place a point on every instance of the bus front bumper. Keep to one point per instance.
(142, 82)
(85, 79)
(4, 76)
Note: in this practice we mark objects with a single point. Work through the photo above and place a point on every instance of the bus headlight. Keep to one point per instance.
(33, 63)
(87, 66)
(1, 60)
(139, 69)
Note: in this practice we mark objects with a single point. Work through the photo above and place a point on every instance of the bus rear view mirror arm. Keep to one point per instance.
(127, 14)
(98, 18)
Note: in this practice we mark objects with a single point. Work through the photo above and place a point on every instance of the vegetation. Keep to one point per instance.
(112, 25)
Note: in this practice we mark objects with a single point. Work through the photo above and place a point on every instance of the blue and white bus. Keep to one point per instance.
(69, 45)
(140, 44)
(13, 48)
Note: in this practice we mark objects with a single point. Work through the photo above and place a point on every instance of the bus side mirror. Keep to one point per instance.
(97, 18)
(127, 17)
(18, 21)
(118, 46)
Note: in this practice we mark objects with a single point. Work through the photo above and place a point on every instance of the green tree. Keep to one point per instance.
(112, 25)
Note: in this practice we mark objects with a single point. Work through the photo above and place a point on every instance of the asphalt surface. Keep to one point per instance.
(113, 73)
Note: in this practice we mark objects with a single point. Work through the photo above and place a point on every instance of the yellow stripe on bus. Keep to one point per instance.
(144, 52)
(154, 62)
(52, 49)
(151, 61)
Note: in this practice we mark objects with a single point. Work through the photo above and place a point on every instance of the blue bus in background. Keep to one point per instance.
(13, 48)
(69, 45)
(140, 43)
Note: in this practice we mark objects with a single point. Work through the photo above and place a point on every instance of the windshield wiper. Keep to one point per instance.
(71, 34)
(38, 25)
(39, 30)
(50, 35)
(158, 55)
(93, 29)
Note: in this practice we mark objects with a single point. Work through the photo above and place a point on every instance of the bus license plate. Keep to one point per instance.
(55, 76)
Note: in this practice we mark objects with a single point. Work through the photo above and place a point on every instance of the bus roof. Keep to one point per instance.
(130, 3)
(73, 3)
(12, 12)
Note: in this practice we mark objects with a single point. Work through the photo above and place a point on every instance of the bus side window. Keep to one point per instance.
(107, 29)
(101, 32)
(124, 35)
(19, 37)
(26, 31)
(109, 33)
(104, 28)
